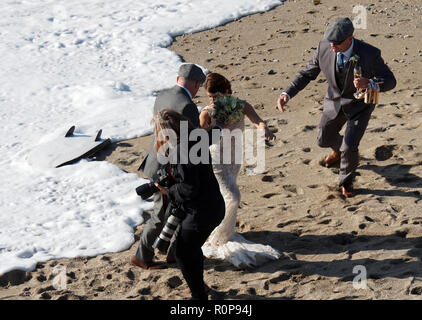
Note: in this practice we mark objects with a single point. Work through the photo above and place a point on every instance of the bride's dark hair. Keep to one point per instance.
(216, 83)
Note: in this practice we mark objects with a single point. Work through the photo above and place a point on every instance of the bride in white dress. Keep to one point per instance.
(224, 243)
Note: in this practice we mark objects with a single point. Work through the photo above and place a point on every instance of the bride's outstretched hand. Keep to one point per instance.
(268, 134)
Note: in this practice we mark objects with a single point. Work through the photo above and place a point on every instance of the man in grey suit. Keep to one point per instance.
(178, 98)
(336, 57)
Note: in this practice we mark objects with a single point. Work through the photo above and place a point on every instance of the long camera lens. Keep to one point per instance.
(162, 242)
(146, 190)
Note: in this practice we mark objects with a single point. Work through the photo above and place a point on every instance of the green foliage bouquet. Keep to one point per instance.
(227, 110)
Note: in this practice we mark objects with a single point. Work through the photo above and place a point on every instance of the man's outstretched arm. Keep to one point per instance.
(307, 74)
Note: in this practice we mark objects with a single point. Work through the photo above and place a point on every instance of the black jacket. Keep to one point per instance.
(196, 189)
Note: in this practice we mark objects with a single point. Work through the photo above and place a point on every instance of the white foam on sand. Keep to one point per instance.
(94, 64)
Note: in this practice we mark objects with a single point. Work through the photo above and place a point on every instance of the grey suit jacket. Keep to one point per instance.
(324, 59)
(177, 99)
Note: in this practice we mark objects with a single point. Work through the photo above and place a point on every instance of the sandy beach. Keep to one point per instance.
(295, 205)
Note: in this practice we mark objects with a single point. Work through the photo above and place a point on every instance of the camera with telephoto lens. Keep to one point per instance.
(175, 217)
(146, 190)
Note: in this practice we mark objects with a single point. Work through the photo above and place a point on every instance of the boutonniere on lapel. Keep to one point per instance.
(354, 58)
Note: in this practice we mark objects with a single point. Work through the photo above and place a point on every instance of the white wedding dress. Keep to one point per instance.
(224, 243)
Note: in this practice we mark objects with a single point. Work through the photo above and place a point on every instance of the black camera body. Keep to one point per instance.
(146, 190)
(175, 217)
(174, 212)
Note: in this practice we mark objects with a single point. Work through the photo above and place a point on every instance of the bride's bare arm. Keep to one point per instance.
(205, 120)
(250, 112)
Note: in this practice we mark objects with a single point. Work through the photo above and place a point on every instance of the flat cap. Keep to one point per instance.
(192, 72)
(339, 30)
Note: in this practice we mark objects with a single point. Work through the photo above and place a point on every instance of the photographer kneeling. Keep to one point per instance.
(195, 192)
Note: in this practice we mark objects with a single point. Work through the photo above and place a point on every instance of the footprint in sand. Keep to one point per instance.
(352, 209)
(308, 128)
(325, 221)
(130, 275)
(244, 227)
(313, 186)
(379, 129)
(416, 221)
(369, 219)
(330, 196)
(281, 277)
(45, 296)
(174, 282)
(45, 289)
(270, 195)
(128, 162)
(416, 291)
(290, 188)
(267, 178)
(145, 291)
(384, 152)
(283, 224)
(41, 278)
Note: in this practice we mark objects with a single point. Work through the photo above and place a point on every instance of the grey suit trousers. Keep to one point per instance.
(329, 137)
(152, 230)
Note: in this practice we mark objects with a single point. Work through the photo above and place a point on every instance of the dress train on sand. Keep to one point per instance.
(224, 243)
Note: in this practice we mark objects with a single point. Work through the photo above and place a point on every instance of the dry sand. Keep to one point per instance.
(295, 206)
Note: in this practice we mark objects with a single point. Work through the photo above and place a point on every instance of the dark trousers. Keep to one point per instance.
(329, 137)
(152, 230)
(190, 259)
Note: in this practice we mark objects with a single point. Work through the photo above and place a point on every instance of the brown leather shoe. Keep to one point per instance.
(332, 159)
(346, 192)
(147, 266)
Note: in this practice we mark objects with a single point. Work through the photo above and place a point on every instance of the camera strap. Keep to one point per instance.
(171, 172)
